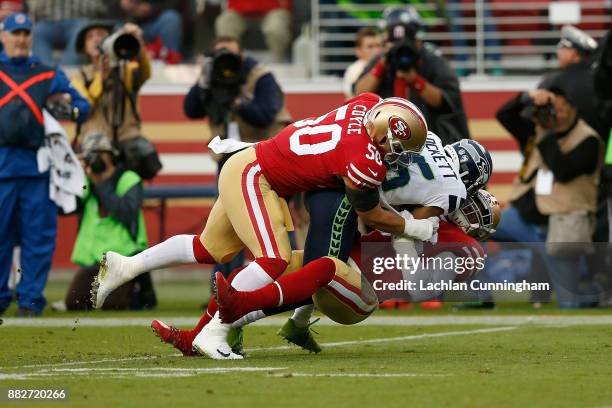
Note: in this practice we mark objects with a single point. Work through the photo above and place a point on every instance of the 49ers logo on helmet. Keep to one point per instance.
(399, 128)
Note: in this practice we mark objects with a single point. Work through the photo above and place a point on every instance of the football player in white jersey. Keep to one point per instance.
(432, 180)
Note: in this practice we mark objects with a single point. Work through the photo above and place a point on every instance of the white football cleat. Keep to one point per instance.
(115, 270)
(212, 341)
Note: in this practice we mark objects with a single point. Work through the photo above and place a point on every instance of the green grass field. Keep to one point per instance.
(512, 356)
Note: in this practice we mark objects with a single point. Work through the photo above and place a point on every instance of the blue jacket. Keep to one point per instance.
(18, 157)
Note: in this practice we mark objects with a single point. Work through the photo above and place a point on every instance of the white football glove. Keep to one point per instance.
(423, 230)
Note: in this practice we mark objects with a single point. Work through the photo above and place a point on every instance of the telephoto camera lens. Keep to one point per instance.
(96, 163)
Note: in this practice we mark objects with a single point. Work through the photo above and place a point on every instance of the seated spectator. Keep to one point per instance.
(273, 15)
(57, 25)
(555, 193)
(161, 24)
(367, 44)
(111, 220)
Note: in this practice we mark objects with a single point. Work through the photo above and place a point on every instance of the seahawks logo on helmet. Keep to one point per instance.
(474, 163)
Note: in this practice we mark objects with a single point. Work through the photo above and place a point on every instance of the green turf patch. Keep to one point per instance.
(380, 366)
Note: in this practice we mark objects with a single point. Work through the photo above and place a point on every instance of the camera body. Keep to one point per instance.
(537, 113)
(226, 78)
(95, 161)
(119, 47)
(404, 55)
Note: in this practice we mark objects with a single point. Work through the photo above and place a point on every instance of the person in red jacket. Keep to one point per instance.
(273, 16)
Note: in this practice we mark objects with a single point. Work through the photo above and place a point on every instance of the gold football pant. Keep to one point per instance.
(247, 213)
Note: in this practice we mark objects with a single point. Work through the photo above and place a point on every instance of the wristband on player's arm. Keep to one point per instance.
(422, 230)
(363, 200)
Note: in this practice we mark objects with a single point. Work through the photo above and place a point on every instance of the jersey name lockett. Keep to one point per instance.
(439, 156)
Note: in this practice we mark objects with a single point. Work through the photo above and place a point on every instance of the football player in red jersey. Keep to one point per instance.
(344, 146)
(477, 219)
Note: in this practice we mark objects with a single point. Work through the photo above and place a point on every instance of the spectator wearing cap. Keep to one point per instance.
(94, 81)
(28, 214)
(416, 71)
(111, 219)
(368, 43)
(8, 7)
(575, 53)
(57, 25)
(575, 76)
(113, 93)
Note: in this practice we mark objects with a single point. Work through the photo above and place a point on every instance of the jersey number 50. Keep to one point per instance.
(334, 130)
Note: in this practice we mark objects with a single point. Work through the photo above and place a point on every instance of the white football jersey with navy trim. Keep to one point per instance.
(430, 181)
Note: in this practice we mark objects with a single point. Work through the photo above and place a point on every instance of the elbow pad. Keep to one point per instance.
(363, 200)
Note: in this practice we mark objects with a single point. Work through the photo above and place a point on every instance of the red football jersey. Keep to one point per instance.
(454, 239)
(316, 153)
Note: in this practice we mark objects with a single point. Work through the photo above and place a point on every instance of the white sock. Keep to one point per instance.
(249, 318)
(250, 278)
(176, 250)
(301, 315)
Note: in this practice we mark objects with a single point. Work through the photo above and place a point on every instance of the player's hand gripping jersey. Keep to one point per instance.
(316, 153)
(430, 181)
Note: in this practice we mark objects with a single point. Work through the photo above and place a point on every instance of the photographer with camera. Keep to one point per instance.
(118, 68)
(414, 70)
(575, 52)
(555, 194)
(111, 219)
(239, 96)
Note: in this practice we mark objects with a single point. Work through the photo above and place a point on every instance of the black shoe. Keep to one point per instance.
(25, 312)
(475, 306)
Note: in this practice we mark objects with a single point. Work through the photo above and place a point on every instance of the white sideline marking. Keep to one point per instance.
(108, 360)
(198, 370)
(163, 372)
(289, 375)
(394, 339)
(450, 320)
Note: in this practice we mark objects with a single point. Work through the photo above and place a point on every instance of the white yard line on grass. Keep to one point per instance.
(393, 339)
(489, 320)
(84, 362)
(129, 372)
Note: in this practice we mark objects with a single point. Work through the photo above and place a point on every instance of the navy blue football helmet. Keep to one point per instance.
(473, 161)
